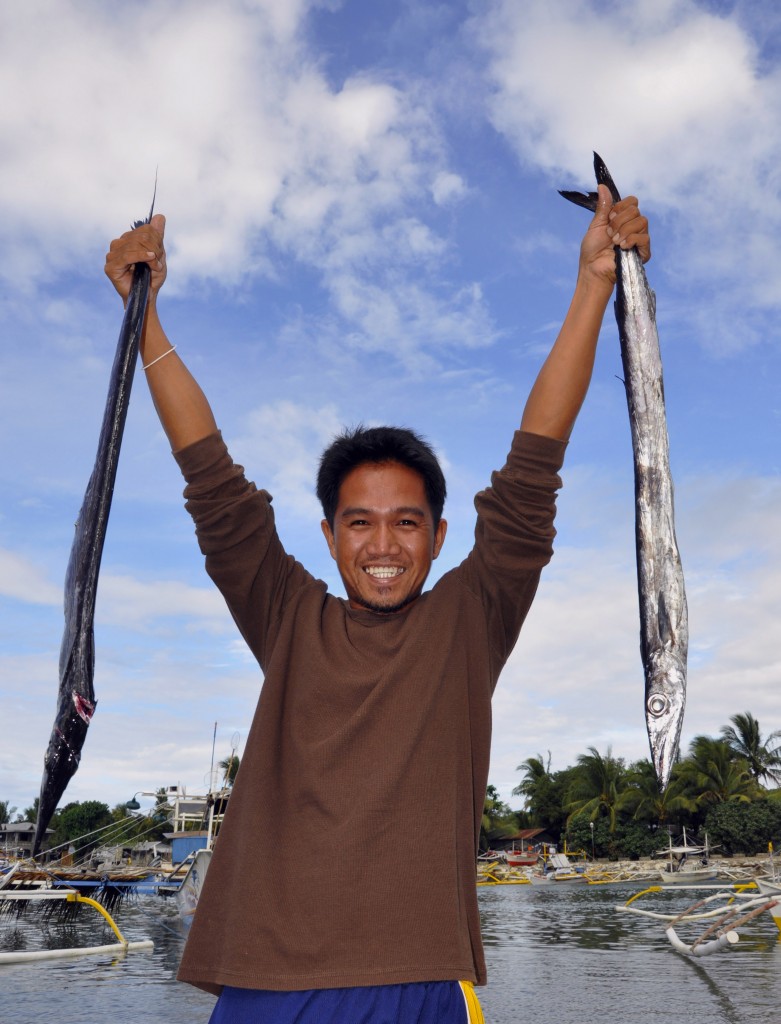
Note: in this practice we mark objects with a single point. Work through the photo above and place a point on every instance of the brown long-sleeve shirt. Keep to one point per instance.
(369, 729)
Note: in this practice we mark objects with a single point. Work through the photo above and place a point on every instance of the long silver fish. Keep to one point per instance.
(76, 701)
(664, 626)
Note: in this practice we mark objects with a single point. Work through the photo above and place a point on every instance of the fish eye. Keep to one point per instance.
(658, 704)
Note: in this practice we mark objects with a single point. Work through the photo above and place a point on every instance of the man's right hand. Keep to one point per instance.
(141, 245)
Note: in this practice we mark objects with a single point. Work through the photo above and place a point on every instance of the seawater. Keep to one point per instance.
(558, 953)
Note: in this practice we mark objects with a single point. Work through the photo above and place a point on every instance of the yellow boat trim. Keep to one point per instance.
(74, 897)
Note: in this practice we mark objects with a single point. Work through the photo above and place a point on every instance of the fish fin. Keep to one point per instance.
(604, 177)
(588, 200)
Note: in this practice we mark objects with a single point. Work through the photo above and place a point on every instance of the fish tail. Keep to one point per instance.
(604, 177)
(588, 200)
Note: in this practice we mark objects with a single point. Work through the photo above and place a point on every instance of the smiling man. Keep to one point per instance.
(314, 909)
(382, 492)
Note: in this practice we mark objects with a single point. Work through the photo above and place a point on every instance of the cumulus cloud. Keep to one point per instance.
(259, 153)
(150, 604)
(676, 100)
(282, 441)
(23, 581)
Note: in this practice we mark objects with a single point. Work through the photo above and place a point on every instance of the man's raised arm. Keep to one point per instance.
(183, 409)
(558, 393)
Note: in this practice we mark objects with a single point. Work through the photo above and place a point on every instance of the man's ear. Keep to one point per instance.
(328, 533)
(439, 537)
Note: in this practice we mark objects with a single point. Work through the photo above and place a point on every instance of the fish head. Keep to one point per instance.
(665, 700)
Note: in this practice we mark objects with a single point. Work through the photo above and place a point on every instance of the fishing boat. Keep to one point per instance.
(500, 874)
(556, 868)
(13, 901)
(772, 890)
(688, 863)
(521, 856)
(191, 847)
(723, 908)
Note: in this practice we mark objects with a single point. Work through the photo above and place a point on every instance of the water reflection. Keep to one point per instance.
(566, 950)
(560, 953)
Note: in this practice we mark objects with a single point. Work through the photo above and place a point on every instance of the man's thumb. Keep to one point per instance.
(604, 205)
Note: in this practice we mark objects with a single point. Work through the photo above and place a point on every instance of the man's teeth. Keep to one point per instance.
(383, 572)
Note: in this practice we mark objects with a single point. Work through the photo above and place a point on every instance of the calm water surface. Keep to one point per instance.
(555, 953)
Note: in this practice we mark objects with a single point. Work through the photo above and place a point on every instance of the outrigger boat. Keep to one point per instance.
(15, 956)
(727, 908)
(688, 863)
(771, 886)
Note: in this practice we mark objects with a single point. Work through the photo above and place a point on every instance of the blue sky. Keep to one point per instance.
(363, 225)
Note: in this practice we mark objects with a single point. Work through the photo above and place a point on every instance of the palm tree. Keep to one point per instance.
(230, 768)
(498, 820)
(6, 811)
(745, 738)
(711, 774)
(643, 799)
(544, 791)
(31, 813)
(596, 787)
(537, 777)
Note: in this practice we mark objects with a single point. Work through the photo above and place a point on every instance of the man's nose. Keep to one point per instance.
(383, 540)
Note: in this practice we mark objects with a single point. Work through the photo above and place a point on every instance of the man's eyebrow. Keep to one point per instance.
(409, 510)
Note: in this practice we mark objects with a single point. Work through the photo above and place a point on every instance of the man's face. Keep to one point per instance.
(383, 538)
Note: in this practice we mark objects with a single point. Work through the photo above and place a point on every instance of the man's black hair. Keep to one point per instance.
(376, 445)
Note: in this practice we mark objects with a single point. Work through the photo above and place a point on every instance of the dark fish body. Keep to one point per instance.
(76, 701)
(664, 628)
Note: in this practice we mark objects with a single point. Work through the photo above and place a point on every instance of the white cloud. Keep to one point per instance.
(282, 441)
(674, 98)
(257, 152)
(22, 580)
(447, 188)
(153, 604)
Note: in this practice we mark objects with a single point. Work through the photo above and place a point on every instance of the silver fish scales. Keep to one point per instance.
(664, 627)
(76, 696)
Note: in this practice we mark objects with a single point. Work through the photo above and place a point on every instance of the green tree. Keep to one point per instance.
(537, 775)
(230, 768)
(628, 840)
(596, 787)
(6, 812)
(543, 792)
(643, 799)
(498, 820)
(30, 813)
(712, 774)
(763, 756)
(744, 827)
(77, 824)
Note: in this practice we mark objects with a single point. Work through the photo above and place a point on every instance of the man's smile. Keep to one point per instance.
(383, 572)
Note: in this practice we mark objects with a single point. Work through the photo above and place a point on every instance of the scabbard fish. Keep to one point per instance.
(664, 627)
(76, 700)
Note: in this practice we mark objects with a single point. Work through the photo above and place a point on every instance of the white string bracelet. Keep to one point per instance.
(166, 353)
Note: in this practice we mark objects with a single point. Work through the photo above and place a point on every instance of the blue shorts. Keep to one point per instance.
(432, 1002)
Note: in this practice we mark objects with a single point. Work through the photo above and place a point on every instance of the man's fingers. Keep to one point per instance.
(627, 227)
(143, 244)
